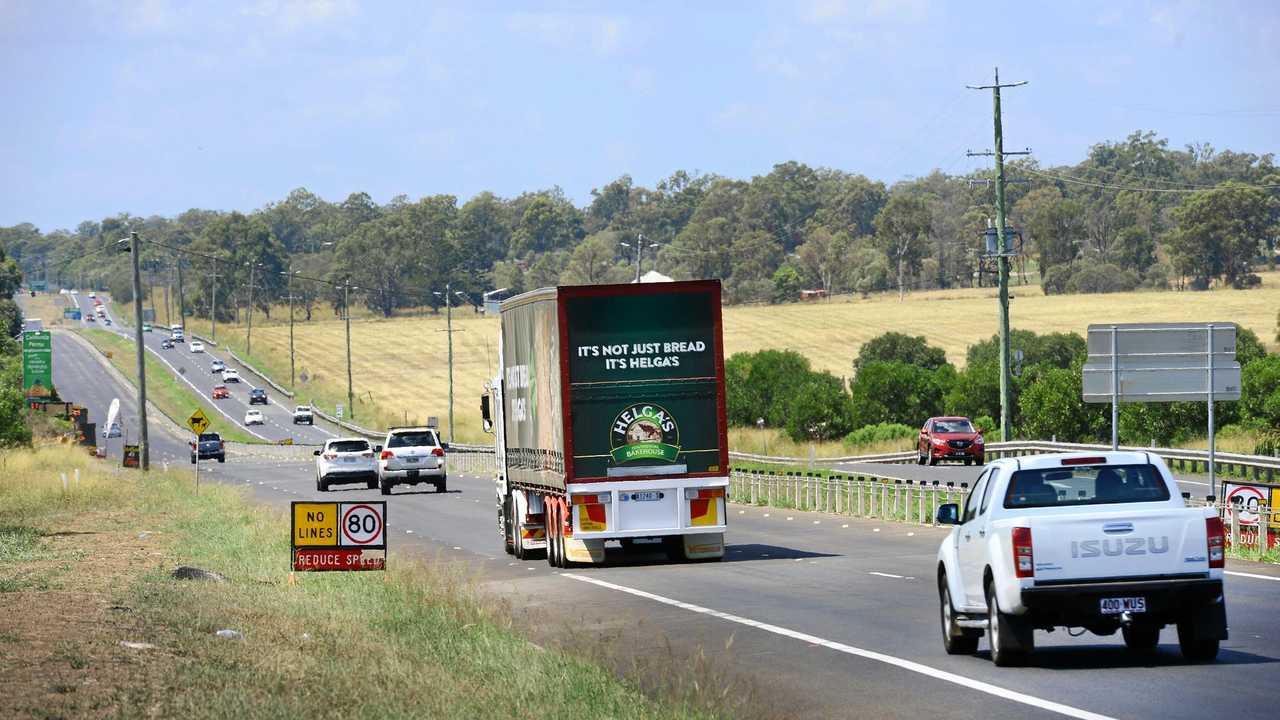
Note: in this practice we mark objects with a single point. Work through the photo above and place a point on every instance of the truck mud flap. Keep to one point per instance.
(698, 546)
(584, 551)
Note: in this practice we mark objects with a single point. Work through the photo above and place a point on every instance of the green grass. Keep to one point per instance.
(175, 399)
(418, 641)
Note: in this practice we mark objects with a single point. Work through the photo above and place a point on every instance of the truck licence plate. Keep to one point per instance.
(647, 496)
(1115, 606)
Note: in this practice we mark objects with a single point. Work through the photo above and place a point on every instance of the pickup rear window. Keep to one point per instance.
(412, 439)
(1085, 485)
(210, 437)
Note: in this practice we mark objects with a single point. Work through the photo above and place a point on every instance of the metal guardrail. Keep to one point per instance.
(275, 385)
(1260, 468)
(860, 495)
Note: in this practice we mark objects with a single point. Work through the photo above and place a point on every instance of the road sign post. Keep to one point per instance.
(336, 536)
(1162, 362)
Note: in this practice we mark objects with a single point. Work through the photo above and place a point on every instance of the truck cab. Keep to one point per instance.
(1102, 542)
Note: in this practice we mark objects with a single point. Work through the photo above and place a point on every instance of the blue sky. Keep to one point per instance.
(153, 107)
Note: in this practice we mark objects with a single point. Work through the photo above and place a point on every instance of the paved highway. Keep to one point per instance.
(810, 615)
(192, 369)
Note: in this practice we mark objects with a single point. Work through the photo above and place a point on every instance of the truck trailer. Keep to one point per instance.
(608, 415)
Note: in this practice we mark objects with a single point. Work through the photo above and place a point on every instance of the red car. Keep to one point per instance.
(220, 392)
(950, 438)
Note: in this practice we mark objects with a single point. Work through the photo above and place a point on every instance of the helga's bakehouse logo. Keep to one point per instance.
(644, 432)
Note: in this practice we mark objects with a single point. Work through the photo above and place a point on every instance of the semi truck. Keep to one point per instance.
(608, 416)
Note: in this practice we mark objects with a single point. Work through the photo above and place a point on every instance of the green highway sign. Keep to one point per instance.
(37, 365)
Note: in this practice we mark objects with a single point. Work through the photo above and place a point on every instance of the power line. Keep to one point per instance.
(1139, 188)
(1179, 183)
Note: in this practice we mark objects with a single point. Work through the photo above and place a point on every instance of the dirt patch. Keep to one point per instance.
(63, 624)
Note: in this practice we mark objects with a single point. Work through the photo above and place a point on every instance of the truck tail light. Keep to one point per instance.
(1217, 541)
(703, 493)
(1023, 560)
(438, 452)
(600, 499)
(386, 455)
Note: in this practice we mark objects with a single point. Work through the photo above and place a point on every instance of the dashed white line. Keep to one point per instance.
(888, 575)
(915, 667)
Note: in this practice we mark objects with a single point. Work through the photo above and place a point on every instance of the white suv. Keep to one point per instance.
(411, 456)
(346, 460)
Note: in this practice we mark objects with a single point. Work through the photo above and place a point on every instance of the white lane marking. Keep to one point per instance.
(888, 575)
(915, 667)
(1252, 575)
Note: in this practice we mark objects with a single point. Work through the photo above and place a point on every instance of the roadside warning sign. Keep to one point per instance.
(198, 421)
(1245, 499)
(328, 536)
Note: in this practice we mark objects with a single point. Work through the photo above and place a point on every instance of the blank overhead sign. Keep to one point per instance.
(1162, 362)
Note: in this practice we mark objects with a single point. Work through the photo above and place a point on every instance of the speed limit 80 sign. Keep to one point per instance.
(328, 536)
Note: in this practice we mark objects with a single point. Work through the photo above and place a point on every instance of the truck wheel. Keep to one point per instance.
(1141, 638)
(955, 639)
(1194, 648)
(552, 560)
(1010, 637)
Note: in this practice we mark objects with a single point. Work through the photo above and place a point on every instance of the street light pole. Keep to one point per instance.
(141, 353)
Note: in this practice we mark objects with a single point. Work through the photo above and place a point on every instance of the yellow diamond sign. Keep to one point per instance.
(198, 421)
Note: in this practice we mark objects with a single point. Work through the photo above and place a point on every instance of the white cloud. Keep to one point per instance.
(294, 14)
(604, 34)
(889, 11)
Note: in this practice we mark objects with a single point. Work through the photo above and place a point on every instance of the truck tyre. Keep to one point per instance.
(1195, 648)
(553, 538)
(955, 639)
(1010, 637)
(1141, 638)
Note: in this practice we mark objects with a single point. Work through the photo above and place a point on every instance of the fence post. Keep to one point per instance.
(1235, 526)
(921, 505)
(862, 496)
(1264, 522)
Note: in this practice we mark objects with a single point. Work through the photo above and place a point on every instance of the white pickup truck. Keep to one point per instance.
(1102, 542)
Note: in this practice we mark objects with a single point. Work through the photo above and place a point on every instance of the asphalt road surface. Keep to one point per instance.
(192, 369)
(809, 615)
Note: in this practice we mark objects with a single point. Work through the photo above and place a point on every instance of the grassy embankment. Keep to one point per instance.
(401, 365)
(86, 568)
(173, 397)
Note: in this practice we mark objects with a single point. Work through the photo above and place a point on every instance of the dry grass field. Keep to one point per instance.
(401, 369)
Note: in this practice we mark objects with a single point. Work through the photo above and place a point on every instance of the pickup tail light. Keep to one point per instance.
(1217, 539)
(386, 455)
(330, 456)
(1024, 565)
(222, 445)
(438, 452)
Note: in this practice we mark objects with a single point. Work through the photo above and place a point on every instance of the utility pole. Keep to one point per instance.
(182, 307)
(248, 338)
(291, 373)
(448, 313)
(346, 310)
(640, 247)
(213, 304)
(1002, 255)
(141, 352)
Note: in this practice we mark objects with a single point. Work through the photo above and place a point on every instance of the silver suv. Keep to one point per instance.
(410, 456)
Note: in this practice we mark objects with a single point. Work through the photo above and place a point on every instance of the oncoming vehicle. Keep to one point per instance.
(1102, 542)
(208, 446)
(257, 396)
(146, 327)
(950, 438)
(412, 456)
(346, 460)
(196, 347)
(253, 417)
(220, 392)
(217, 366)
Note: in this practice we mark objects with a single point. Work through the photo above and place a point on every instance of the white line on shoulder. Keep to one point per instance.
(994, 690)
(1255, 576)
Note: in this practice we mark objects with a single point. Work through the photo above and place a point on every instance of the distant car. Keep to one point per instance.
(217, 366)
(346, 460)
(253, 417)
(146, 327)
(196, 347)
(208, 446)
(106, 321)
(302, 414)
(950, 438)
(89, 318)
(93, 294)
(257, 396)
(165, 344)
(75, 291)
(231, 375)
(412, 456)
(220, 392)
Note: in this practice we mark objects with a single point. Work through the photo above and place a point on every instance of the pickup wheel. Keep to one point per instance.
(384, 487)
(1141, 638)
(1010, 637)
(373, 484)
(222, 458)
(1194, 648)
(955, 639)
(321, 485)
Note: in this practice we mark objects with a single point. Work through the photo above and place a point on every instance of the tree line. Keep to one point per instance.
(1134, 213)
(899, 381)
